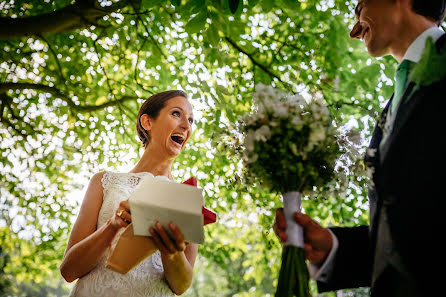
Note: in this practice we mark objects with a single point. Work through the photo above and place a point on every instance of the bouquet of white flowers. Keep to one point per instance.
(290, 146)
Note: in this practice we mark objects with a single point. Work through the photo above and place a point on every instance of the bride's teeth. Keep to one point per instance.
(178, 138)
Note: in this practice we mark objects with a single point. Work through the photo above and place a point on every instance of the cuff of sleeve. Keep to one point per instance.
(322, 272)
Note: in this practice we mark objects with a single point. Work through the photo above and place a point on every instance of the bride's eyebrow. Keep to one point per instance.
(177, 107)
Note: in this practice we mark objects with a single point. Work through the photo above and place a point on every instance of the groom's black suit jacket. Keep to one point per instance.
(407, 200)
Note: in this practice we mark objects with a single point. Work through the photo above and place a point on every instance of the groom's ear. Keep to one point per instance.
(146, 122)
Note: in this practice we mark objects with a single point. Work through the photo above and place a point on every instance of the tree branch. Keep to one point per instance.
(5, 100)
(62, 76)
(59, 94)
(107, 79)
(80, 14)
(135, 72)
(155, 42)
(260, 65)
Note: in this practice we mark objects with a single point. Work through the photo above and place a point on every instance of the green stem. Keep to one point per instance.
(293, 277)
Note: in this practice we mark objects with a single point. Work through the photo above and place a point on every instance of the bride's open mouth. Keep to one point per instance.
(178, 139)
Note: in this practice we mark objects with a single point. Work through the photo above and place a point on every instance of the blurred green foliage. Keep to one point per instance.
(70, 89)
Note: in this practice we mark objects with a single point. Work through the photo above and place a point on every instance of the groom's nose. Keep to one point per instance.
(356, 31)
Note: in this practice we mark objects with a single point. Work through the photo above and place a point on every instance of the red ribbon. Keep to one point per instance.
(208, 215)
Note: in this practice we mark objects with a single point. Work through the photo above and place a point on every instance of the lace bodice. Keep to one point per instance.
(146, 279)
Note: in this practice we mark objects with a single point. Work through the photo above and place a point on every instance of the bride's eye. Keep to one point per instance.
(191, 121)
(176, 113)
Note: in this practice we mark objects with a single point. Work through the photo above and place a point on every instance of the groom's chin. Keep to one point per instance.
(377, 47)
(377, 52)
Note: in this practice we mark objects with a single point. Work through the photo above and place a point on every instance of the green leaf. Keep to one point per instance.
(431, 68)
(212, 35)
(267, 5)
(233, 5)
(197, 23)
(222, 90)
(252, 3)
(151, 3)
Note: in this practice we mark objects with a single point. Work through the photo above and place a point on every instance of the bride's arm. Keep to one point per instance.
(177, 256)
(87, 244)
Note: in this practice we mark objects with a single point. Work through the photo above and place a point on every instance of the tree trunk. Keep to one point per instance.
(81, 14)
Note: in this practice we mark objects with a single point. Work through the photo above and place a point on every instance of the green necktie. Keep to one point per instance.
(400, 82)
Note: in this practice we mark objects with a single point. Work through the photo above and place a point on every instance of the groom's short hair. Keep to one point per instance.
(431, 9)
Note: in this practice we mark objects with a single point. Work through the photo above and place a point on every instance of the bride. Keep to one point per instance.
(164, 125)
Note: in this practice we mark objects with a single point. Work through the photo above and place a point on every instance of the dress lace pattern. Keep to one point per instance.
(146, 279)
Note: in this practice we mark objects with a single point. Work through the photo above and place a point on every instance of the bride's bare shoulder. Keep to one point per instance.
(95, 185)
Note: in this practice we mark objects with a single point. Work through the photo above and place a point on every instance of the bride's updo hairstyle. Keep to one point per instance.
(152, 108)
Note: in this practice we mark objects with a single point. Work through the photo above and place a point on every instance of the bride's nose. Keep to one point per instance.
(185, 123)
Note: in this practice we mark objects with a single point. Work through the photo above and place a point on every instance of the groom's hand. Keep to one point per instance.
(280, 225)
(317, 240)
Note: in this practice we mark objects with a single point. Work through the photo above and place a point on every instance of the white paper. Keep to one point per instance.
(291, 204)
(165, 201)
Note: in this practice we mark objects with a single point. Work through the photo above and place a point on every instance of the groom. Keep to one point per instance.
(401, 253)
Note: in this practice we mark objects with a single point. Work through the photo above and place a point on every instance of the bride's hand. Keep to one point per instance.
(122, 215)
(165, 243)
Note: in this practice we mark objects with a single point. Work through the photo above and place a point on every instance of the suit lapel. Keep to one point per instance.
(403, 113)
(412, 96)
(372, 159)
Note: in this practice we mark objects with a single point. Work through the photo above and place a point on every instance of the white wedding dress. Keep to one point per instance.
(146, 279)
